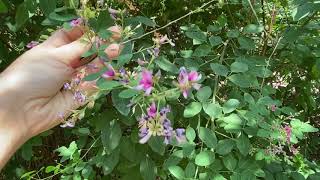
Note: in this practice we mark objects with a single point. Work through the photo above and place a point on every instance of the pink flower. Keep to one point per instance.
(152, 110)
(110, 73)
(288, 131)
(32, 44)
(188, 80)
(146, 82)
(164, 39)
(76, 22)
(273, 108)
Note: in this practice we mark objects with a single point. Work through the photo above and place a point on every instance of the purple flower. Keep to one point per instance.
(180, 135)
(152, 110)
(288, 131)
(76, 22)
(78, 96)
(110, 73)
(66, 86)
(156, 51)
(144, 134)
(146, 82)
(164, 39)
(32, 44)
(188, 80)
(167, 130)
(113, 13)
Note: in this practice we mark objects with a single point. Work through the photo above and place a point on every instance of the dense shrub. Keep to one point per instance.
(201, 90)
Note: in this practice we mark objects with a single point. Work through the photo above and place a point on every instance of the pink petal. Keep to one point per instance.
(148, 91)
(193, 76)
(145, 138)
(185, 94)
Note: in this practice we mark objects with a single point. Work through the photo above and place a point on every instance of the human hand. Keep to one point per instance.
(30, 95)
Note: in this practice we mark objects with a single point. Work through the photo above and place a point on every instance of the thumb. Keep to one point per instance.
(71, 53)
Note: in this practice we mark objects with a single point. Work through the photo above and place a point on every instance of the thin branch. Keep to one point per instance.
(216, 79)
(172, 22)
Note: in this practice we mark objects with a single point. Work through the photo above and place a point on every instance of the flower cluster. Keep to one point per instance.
(187, 81)
(156, 123)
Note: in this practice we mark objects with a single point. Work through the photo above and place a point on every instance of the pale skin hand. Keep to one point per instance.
(30, 89)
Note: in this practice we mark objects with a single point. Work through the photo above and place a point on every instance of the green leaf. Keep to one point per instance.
(22, 15)
(239, 67)
(230, 105)
(224, 146)
(157, 145)
(299, 127)
(146, 21)
(47, 6)
(244, 80)
(248, 98)
(104, 21)
(148, 169)
(246, 43)
(187, 149)
(214, 110)
(92, 77)
(111, 135)
(124, 59)
(104, 34)
(62, 17)
(84, 131)
(303, 10)
(190, 134)
(50, 169)
(204, 158)
(196, 34)
(128, 93)
(204, 93)
(192, 109)
(166, 65)
(215, 40)
(190, 170)
(110, 162)
(229, 162)
(107, 84)
(253, 28)
(208, 137)
(72, 3)
(186, 53)
(233, 122)
(67, 152)
(219, 69)
(202, 50)
(3, 7)
(119, 103)
(177, 172)
(233, 33)
(243, 144)
(218, 177)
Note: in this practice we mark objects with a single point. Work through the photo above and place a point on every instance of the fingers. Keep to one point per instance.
(71, 53)
(62, 37)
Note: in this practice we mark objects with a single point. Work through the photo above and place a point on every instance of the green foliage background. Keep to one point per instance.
(243, 45)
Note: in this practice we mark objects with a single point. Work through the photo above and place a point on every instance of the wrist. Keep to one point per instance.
(11, 136)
